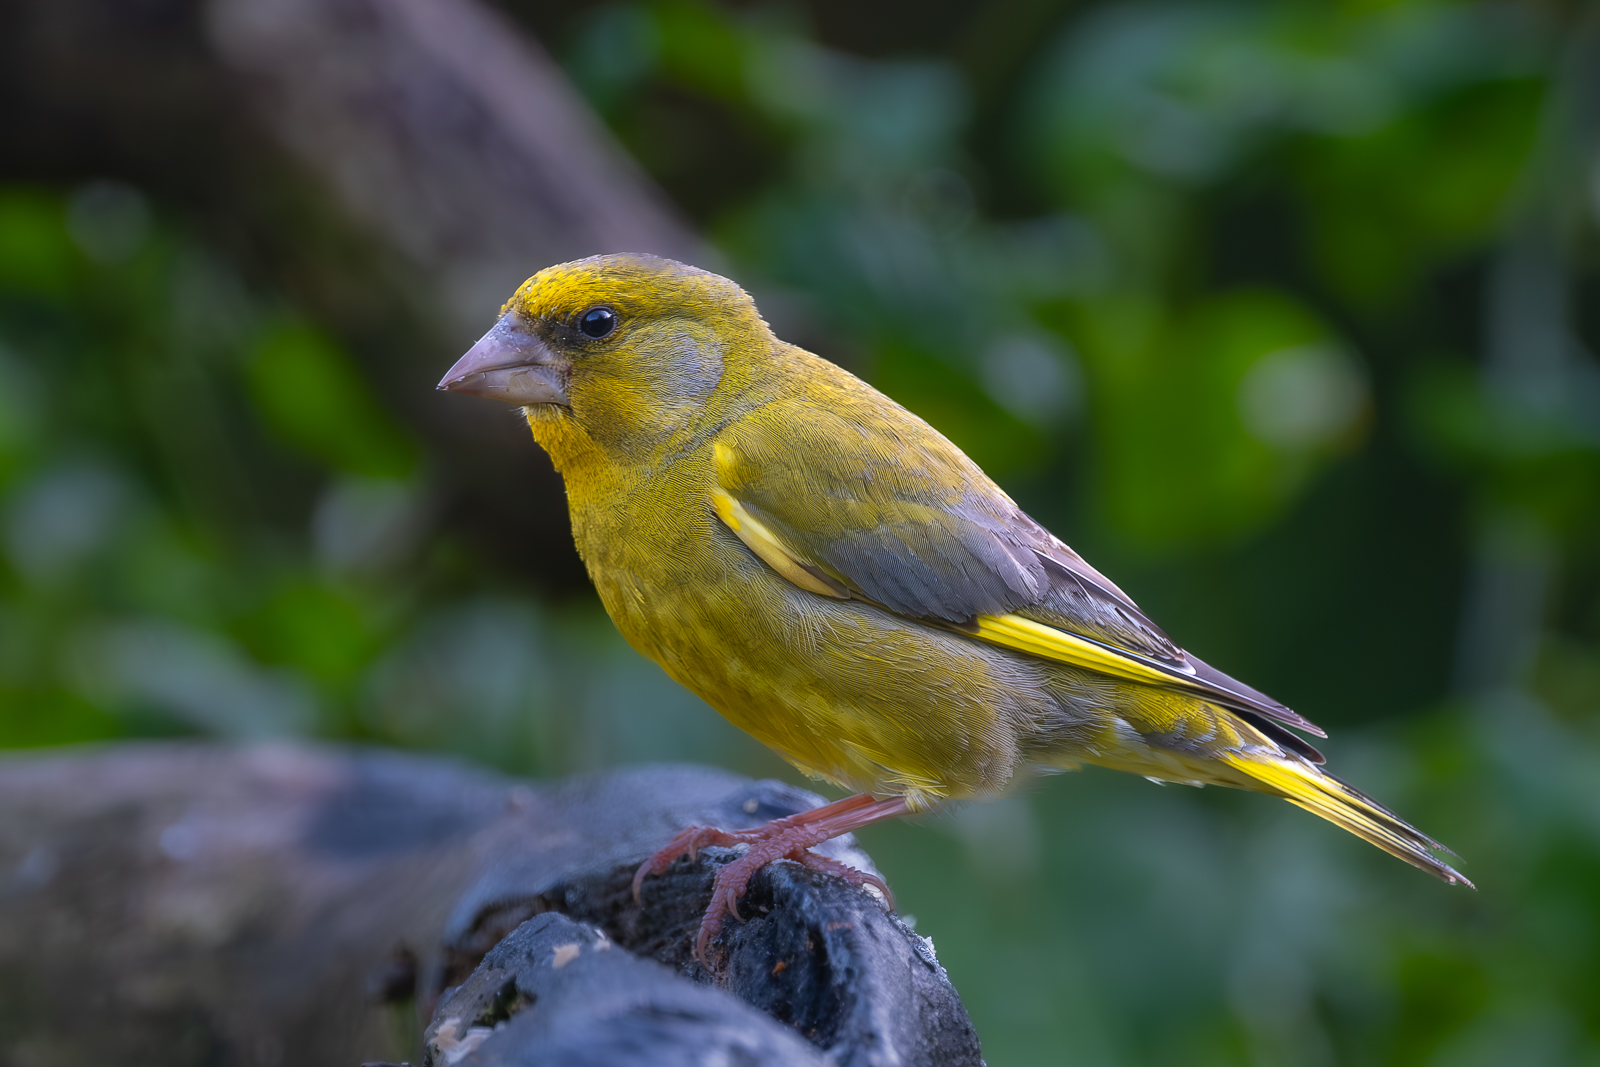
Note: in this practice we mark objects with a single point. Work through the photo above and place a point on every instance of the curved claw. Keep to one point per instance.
(709, 928)
(638, 882)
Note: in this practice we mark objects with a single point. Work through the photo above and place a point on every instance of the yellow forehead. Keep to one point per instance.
(632, 284)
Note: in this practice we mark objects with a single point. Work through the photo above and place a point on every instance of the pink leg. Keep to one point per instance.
(791, 837)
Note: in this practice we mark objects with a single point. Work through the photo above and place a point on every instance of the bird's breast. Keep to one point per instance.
(843, 689)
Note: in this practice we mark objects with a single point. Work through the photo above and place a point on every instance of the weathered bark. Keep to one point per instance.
(202, 904)
(557, 991)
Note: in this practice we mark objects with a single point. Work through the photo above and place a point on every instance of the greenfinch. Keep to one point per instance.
(831, 574)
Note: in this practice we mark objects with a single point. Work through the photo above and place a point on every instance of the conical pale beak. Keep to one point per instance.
(509, 363)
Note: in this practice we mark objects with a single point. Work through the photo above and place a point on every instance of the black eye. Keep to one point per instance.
(597, 322)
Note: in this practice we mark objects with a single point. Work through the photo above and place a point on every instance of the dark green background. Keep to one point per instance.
(1280, 313)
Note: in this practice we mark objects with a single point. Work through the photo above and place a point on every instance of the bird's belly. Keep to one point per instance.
(844, 690)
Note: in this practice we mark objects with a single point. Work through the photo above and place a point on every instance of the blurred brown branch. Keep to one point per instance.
(446, 131)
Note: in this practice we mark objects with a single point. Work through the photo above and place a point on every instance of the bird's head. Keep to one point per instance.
(628, 347)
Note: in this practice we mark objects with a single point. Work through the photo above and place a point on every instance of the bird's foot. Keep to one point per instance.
(733, 879)
(790, 838)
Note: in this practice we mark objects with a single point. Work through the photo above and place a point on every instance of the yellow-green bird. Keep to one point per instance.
(840, 581)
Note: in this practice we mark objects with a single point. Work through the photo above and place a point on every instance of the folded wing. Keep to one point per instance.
(892, 513)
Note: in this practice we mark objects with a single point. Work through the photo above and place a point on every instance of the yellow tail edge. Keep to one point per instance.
(1345, 806)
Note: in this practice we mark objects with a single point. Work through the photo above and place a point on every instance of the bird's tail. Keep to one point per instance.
(1320, 793)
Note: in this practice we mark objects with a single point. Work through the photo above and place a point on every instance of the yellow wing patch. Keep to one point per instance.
(760, 540)
(1047, 642)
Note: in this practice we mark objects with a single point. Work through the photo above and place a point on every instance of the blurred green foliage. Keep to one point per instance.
(1281, 312)
(313, 400)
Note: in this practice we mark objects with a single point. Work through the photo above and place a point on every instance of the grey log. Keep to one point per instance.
(292, 904)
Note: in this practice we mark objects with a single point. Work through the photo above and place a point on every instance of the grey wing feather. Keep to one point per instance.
(934, 567)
